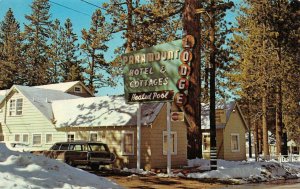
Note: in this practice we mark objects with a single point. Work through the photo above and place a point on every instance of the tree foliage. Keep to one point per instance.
(36, 36)
(10, 51)
(93, 47)
(71, 65)
(266, 72)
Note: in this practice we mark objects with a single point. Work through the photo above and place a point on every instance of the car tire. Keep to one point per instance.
(94, 167)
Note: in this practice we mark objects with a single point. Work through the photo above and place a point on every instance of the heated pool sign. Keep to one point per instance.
(157, 73)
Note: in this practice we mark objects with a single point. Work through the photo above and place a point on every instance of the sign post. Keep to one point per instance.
(169, 138)
(138, 132)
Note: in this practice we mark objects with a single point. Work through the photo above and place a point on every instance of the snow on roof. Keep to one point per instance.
(42, 98)
(2, 94)
(101, 111)
(26, 170)
(58, 86)
(205, 122)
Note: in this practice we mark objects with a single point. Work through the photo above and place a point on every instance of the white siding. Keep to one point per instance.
(31, 121)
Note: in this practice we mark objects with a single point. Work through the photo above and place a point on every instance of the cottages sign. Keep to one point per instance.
(153, 74)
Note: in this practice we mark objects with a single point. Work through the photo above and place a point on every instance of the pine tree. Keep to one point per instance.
(70, 64)
(192, 109)
(267, 28)
(10, 51)
(98, 70)
(222, 29)
(251, 46)
(55, 52)
(36, 35)
(144, 24)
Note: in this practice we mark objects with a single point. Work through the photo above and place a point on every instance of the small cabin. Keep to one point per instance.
(231, 129)
(109, 119)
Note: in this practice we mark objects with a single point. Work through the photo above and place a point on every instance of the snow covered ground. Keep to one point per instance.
(243, 171)
(237, 172)
(24, 170)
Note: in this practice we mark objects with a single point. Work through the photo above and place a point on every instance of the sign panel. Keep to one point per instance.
(151, 74)
(177, 116)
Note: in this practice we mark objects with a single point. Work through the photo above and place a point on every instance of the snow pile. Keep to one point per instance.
(25, 170)
(201, 164)
(245, 171)
(138, 171)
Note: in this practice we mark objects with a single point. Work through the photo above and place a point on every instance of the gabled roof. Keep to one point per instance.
(229, 107)
(63, 87)
(42, 98)
(101, 111)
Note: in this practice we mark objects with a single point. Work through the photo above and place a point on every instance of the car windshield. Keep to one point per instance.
(99, 147)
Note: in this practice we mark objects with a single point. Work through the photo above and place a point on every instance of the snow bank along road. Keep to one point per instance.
(24, 170)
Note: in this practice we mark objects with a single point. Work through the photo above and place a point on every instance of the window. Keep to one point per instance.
(78, 89)
(173, 143)
(70, 137)
(36, 139)
(93, 137)
(235, 142)
(48, 138)
(64, 147)
(99, 147)
(206, 142)
(55, 147)
(76, 147)
(25, 138)
(12, 107)
(16, 107)
(19, 106)
(17, 138)
(128, 143)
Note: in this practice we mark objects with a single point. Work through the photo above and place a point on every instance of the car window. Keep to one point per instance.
(98, 147)
(64, 147)
(77, 147)
(55, 147)
(71, 146)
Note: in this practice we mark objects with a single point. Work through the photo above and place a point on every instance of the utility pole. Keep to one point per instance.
(191, 26)
(212, 91)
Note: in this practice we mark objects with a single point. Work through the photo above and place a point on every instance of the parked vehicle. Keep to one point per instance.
(76, 153)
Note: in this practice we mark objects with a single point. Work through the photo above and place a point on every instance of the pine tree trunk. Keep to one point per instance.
(259, 144)
(278, 125)
(129, 27)
(265, 128)
(256, 141)
(284, 150)
(191, 26)
(206, 82)
(249, 125)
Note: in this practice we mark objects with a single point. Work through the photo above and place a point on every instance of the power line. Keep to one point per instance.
(93, 4)
(69, 8)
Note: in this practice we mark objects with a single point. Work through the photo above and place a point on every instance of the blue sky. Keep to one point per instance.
(80, 17)
(80, 20)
